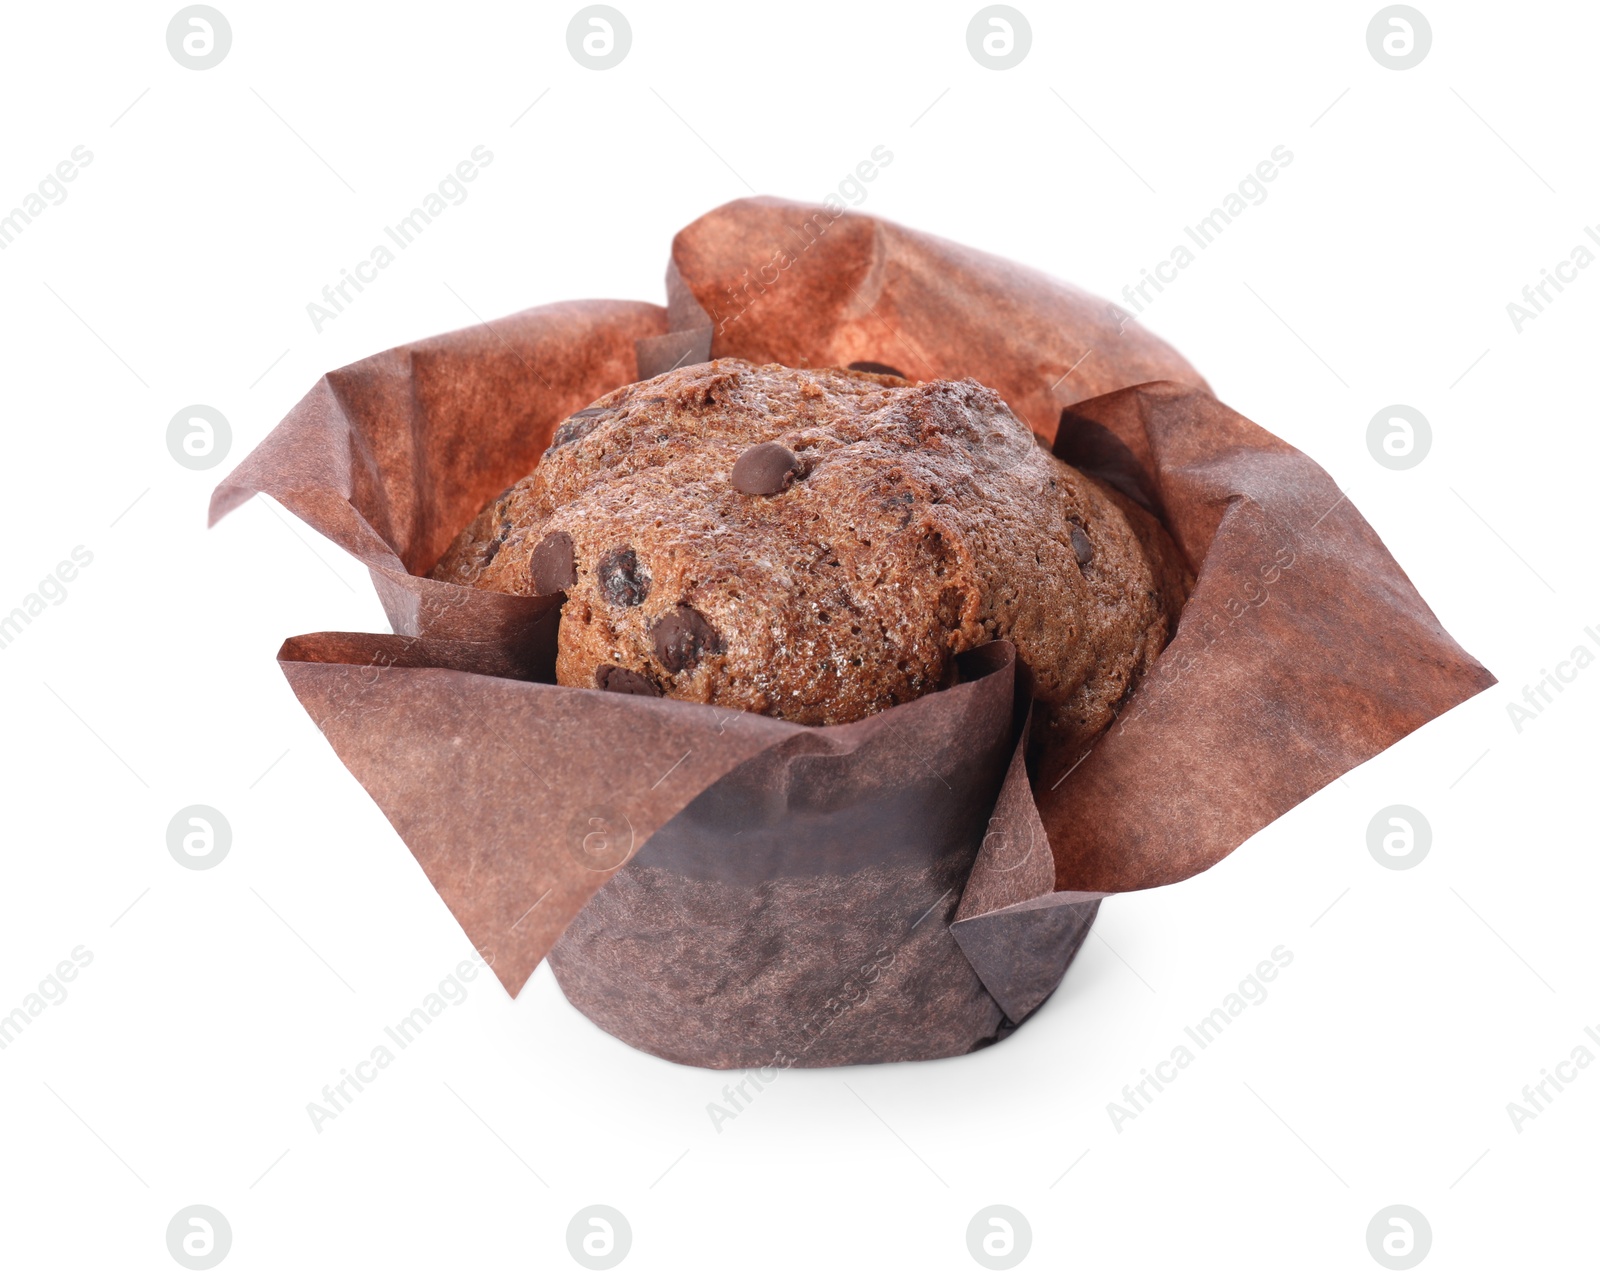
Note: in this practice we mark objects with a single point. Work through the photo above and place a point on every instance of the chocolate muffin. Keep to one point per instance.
(820, 544)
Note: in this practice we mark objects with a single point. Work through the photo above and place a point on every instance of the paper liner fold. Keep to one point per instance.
(1018, 932)
(795, 284)
(518, 799)
(1303, 651)
(721, 831)
(392, 456)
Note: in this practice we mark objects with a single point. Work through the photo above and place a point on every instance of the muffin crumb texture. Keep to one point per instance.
(820, 544)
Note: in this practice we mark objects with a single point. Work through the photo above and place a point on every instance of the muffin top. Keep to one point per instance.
(819, 544)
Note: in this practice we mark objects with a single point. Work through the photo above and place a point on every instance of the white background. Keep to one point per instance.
(217, 205)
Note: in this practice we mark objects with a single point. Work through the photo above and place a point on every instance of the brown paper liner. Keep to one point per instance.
(1303, 651)
(725, 889)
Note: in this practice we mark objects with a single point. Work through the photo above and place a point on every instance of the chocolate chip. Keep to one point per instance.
(682, 637)
(1082, 546)
(576, 426)
(552, 567)
(625, 681)
(622, 581)
(765, 469)
(882, 369)
(493, 547)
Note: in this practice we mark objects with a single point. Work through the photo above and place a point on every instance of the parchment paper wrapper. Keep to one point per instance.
(729, 890)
